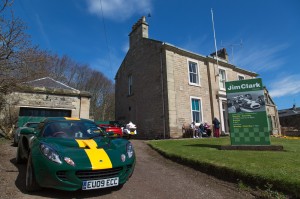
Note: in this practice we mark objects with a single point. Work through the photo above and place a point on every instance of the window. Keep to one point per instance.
(41, 112)
(130, 85)
(193, 73)
(196, 110)
(241, 77)
(222, 78)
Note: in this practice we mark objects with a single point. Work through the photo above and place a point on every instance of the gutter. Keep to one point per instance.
(162, 92)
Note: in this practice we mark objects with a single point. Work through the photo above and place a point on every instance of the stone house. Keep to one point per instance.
(47, 97)
(160, 86)
(290, 120)
(272, 113)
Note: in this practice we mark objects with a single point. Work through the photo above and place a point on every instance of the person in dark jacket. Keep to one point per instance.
(216, 124)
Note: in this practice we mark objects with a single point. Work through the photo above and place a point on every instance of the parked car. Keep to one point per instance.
(17, 132)
(250, 104)
(72, 154)
(111, 128)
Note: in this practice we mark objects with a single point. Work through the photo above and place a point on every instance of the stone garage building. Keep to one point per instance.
(47, 97)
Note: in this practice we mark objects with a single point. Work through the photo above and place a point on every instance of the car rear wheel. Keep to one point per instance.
(31, 184)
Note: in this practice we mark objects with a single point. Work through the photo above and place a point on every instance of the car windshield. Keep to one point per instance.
(32, 125)
(71, 129)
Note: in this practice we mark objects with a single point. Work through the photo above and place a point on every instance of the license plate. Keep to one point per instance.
(98, 184)
(132, 133)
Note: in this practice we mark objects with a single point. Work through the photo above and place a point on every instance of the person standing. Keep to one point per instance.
(216, 124)
(193, 128)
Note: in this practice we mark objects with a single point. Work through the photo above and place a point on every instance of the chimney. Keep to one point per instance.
(139, 30)
(222, 53)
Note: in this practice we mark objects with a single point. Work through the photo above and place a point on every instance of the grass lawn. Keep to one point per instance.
(278, 169)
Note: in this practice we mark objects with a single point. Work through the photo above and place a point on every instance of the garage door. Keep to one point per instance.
(40, 112)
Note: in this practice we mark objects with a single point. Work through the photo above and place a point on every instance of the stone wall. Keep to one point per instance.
(78, 105)
(180, 91)
(144, 106)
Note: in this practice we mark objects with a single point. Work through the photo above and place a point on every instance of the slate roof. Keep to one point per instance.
(48, 82)
(289, 112)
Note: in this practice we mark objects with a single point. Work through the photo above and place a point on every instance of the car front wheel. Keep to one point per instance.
(15, 143)
(31, 184)
(19, 159)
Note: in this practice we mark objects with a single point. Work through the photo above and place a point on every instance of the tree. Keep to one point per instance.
(78, 76)
(101, 89)
(21, 62)
(13, 41)
(83, 78)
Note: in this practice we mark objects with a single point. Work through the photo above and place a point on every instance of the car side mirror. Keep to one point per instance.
(27, 131)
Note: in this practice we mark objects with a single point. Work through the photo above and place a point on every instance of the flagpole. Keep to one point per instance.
(213, 24)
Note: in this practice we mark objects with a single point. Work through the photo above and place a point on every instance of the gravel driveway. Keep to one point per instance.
(154, 177)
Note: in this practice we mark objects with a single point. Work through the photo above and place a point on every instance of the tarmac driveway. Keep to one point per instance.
(154, 177)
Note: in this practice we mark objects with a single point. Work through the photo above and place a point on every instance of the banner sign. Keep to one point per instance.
(247, 113)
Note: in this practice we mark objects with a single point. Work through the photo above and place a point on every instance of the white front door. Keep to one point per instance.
(223, 114)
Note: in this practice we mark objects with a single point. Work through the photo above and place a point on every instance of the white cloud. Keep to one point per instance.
(259, 57)
(194, 44)
(42, 30)
(286, 86)
(119, 9)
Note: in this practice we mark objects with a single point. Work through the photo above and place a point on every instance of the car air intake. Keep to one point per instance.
(98, 174)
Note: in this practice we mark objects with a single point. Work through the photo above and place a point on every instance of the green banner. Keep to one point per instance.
(247, 113)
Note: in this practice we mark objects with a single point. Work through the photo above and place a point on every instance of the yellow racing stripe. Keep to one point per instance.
(71, 118)
(98, 157)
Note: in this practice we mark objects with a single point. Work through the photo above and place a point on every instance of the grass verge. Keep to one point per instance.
(279, 170)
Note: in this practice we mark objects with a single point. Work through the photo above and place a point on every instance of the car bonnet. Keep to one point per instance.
(90, 153)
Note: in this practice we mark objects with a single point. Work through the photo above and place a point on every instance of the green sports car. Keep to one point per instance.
(71, 154)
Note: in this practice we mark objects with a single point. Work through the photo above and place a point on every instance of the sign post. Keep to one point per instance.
(247, 113)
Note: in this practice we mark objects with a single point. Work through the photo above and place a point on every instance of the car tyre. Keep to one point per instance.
(15, 143)
(19, 159)
(31, 183)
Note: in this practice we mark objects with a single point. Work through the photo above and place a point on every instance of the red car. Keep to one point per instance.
(111, 128)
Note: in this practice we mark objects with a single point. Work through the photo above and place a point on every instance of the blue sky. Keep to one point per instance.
(260, 35)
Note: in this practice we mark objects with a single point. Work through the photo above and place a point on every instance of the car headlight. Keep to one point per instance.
(50, 153)
(129, 149)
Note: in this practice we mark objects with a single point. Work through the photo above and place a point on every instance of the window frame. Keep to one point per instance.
(200, 112)
(240, 75)
(223, 87)
(197, 72)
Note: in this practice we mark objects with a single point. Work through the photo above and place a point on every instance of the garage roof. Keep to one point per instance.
(48, 82)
